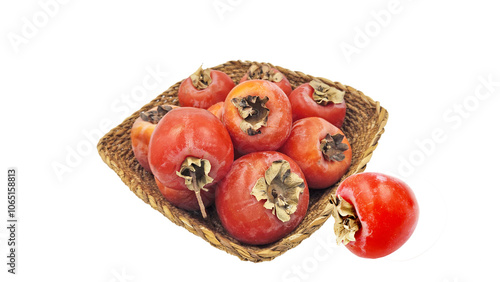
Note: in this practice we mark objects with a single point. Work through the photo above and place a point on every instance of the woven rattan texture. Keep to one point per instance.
(363, 126)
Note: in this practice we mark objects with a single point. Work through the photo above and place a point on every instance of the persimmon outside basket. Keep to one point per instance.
(363, 126)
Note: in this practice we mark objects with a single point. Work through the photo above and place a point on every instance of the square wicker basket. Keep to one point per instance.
(363, 126)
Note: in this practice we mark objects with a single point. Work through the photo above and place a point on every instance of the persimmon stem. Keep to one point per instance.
(195, 173)
(264, 72)
(281, 188)
(346, 221)
(201, 78)
(154, 116)
(325, 94)
(333, 148)
(197, 192)
(253, 111)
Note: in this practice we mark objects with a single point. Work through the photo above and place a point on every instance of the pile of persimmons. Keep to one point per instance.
(256, 148)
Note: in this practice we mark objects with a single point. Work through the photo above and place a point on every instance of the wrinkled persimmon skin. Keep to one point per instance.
(186, 199)
(304, 106)
(303, 146)
(241, 214)
(189, 132)
(190, 96)
(279, 123)
(284, 84)
(387, 209)
(216, 109)
(140, 135)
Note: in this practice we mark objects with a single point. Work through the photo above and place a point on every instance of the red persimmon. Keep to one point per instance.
(190, 151)
(320, 149)
(258, 116)
(141, 132)
(375, 214)
(263, 198)
(204, 88)
(318, 99)
(266, 72)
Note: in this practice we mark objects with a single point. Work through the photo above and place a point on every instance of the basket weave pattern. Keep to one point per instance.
(363, 126)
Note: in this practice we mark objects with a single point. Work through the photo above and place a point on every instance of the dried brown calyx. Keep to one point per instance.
(333, 148)
(346, 221)
(195, 173)
(324, 93)
(281, 188)
(264, 72)
(253, 111)
(201, 78)
(154, 116)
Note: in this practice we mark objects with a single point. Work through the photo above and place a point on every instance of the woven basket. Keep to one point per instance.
(363, 126)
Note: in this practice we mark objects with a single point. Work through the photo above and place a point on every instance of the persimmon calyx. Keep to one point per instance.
(264, 72)
(201, 78)
(154, 116)
(346, 221)
(281, 188)
(253, 111)
(333, 148)
(195, 173)
(324, 93)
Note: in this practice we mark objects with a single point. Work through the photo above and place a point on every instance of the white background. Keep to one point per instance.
(71, 70)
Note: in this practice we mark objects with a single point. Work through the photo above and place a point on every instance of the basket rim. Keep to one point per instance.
(217, 239)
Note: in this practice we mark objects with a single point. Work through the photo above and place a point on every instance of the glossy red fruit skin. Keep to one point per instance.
(284, 84)
(279, 123)
(187, 131)
(304, 106)
(190, 96)
(140, 135)
(303, 146)
(387, 209)
(241, 214)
